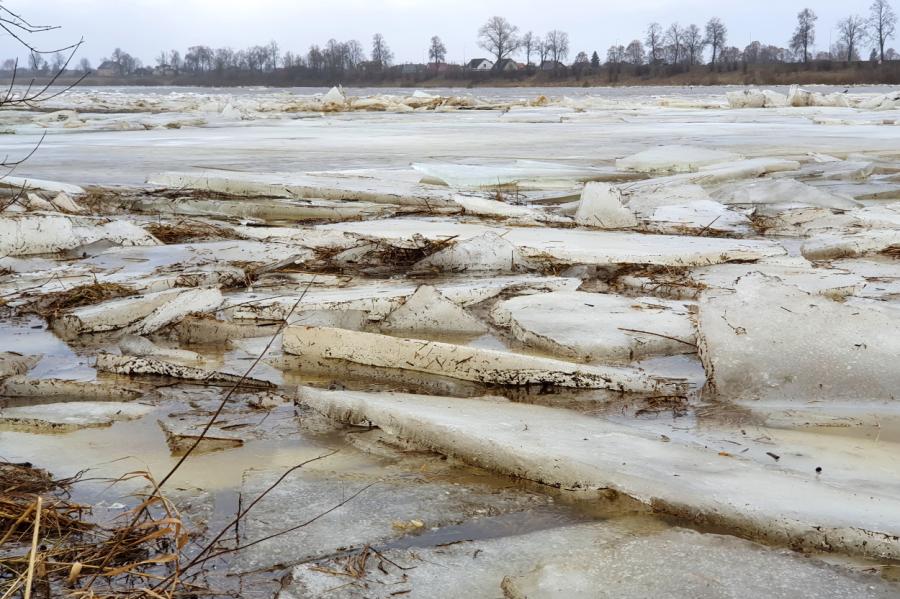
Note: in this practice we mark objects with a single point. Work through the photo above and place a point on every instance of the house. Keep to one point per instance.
(552, 65)
(107, 69)
(507, 65)
(441, 67)
(410, 68)
(164, 70)
(480, 64)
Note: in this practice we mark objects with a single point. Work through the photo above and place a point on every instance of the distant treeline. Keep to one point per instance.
(674, 54)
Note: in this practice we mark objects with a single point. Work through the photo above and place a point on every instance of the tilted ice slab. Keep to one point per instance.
(768, 340)
(30, 183)
(484, 207)
(487, 253)
(572, 246)
(467, 363)
(29, 234)
(279, 209)
(700, 216)
(674, 159)
(782, 192)
(598, 327)
(140, 314)
(601, 206)
(428, 311)
(574, 451)
(300, 185)
(591, 561)
(379, 299)
(525, 174)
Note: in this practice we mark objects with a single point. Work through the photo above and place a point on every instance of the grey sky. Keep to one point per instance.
(144, 27)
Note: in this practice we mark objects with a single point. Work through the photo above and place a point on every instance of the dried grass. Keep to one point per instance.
(893, 251)
(52, 304)
(186, 231)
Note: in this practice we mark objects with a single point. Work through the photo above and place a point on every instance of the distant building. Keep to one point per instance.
(441, 67)
(508, 65)
(107, 69)
(480, 64)
(164, 70)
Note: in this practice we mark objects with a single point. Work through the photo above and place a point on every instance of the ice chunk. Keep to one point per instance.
(746, 98)
(335, 99)
(428, 312)
(36, 203)
(466, 363)
(786, 192)
(113, 315)
(601, 206)
(497, 209)
(44, 389)
(66, 204)
(674, 159)
(135, 345)
(595, 327)
(756, 343)
(575, 451)
(798, 97)
(486, 253)
(69, 416)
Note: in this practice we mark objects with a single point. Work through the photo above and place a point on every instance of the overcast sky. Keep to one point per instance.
(144, 27)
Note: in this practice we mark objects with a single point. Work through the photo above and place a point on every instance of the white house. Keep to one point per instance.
(480, 64)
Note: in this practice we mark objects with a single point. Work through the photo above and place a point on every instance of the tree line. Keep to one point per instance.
(670, 49)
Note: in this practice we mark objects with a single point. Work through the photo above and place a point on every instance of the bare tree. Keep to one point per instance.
(634, 53)
(381, 54)
(716, 34)
(674, 38)
(84, 65)
(654, 42)
(543, 50)
(499, 37)
(529, 43)
(437, 52)
(852, 32)
(557, 45)
(805, 33)
(693, 44)
(882, 24)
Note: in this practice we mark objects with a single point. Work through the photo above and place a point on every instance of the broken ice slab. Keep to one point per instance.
(488, 208)
(573, 246)
(379, 298)
(596, 327)
(30, 183)
(757, 342)
(590, 561)
(574, 451)
(831, 246)
(523, 174)
(141, 314)
(69, 416)
(717, 173)
(698, 217)
(391, 508)
(268, 210)
(23, 387)
(681, 563)
(299, 185)
(137, 366)
(30, 234)
(674, 159)
(783, 192)
(486, 366)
